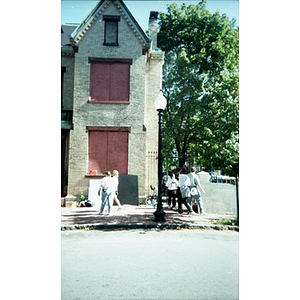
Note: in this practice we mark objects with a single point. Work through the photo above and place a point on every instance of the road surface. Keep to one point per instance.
(150, 264)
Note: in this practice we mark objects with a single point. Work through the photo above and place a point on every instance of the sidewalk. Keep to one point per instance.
(137, 217)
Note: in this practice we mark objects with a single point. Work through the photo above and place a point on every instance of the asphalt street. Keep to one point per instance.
(150, 264)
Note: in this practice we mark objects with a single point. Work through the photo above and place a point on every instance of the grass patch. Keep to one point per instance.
(231, 222)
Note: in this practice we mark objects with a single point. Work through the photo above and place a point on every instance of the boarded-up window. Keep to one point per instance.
(109, 82)
(108, 150)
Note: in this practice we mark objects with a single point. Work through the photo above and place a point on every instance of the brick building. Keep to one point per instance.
(111, 75)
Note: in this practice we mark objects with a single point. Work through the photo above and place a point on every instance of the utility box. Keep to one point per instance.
(128, 189)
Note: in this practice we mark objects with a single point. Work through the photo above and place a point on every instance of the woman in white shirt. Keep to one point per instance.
(115, 177)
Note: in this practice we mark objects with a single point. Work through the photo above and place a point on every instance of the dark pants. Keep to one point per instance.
(172, 197)
(183, 201)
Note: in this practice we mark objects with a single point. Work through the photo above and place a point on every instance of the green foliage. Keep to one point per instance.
(82, 197)
(200, 82)
(231, 222)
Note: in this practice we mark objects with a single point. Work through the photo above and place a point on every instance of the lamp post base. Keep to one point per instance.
(159, 214)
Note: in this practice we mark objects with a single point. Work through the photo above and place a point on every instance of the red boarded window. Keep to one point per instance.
(109, 82)
(108, 150)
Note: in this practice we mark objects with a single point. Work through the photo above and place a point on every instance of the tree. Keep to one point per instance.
(200, 82)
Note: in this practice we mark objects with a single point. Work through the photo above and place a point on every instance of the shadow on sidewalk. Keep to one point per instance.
(90, 217)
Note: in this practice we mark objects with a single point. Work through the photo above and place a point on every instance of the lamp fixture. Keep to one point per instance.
(160, 101)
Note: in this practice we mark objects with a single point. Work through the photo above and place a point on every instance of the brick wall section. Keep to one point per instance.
(145, 82)
(153, 85)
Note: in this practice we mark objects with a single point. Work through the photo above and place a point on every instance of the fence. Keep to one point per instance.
(152, 164)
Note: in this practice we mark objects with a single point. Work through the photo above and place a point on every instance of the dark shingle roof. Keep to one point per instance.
(66, 31)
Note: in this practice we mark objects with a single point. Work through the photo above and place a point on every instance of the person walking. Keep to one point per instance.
(183, 192)
(115, 176)
(195, 188)
(172, 186)
(108, 192)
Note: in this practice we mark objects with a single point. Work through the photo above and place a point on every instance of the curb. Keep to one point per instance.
(162, 226)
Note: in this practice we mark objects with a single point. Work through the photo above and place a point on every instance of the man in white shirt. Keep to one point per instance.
(154, 194)
(195, 188)
(172, 185)
(108, 192)
(183, 192)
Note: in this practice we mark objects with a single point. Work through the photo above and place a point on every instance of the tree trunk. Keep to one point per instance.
(182, 160)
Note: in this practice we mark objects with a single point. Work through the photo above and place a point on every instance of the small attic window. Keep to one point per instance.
(111, 30)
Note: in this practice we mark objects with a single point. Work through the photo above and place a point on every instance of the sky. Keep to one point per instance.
(76, 11)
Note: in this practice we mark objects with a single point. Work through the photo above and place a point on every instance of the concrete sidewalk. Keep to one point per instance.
(137, 217)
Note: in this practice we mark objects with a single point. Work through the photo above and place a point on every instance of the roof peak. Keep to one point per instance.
(98, 10)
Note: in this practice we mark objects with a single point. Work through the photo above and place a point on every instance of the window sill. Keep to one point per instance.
(94, 176)
(111, 44)
(108, 102)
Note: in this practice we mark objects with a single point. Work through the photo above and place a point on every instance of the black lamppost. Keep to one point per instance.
(160, 105)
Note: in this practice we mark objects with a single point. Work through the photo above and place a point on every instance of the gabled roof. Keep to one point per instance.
(78, 34)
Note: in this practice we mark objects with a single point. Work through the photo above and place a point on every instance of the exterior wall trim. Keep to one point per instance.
(111, 18)
(114, 60)
(108, 128)
(109, 102)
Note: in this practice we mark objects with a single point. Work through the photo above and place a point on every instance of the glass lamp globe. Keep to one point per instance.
(160, 101)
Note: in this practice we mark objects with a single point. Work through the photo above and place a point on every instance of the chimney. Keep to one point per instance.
(152, 27)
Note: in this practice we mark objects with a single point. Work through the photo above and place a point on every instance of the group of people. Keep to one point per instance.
(109, 190)
(185, 188)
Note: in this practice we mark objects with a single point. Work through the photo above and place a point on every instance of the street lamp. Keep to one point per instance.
(160, 105)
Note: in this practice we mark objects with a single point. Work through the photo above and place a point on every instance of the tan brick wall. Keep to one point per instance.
(153, 85)
(145, 82)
